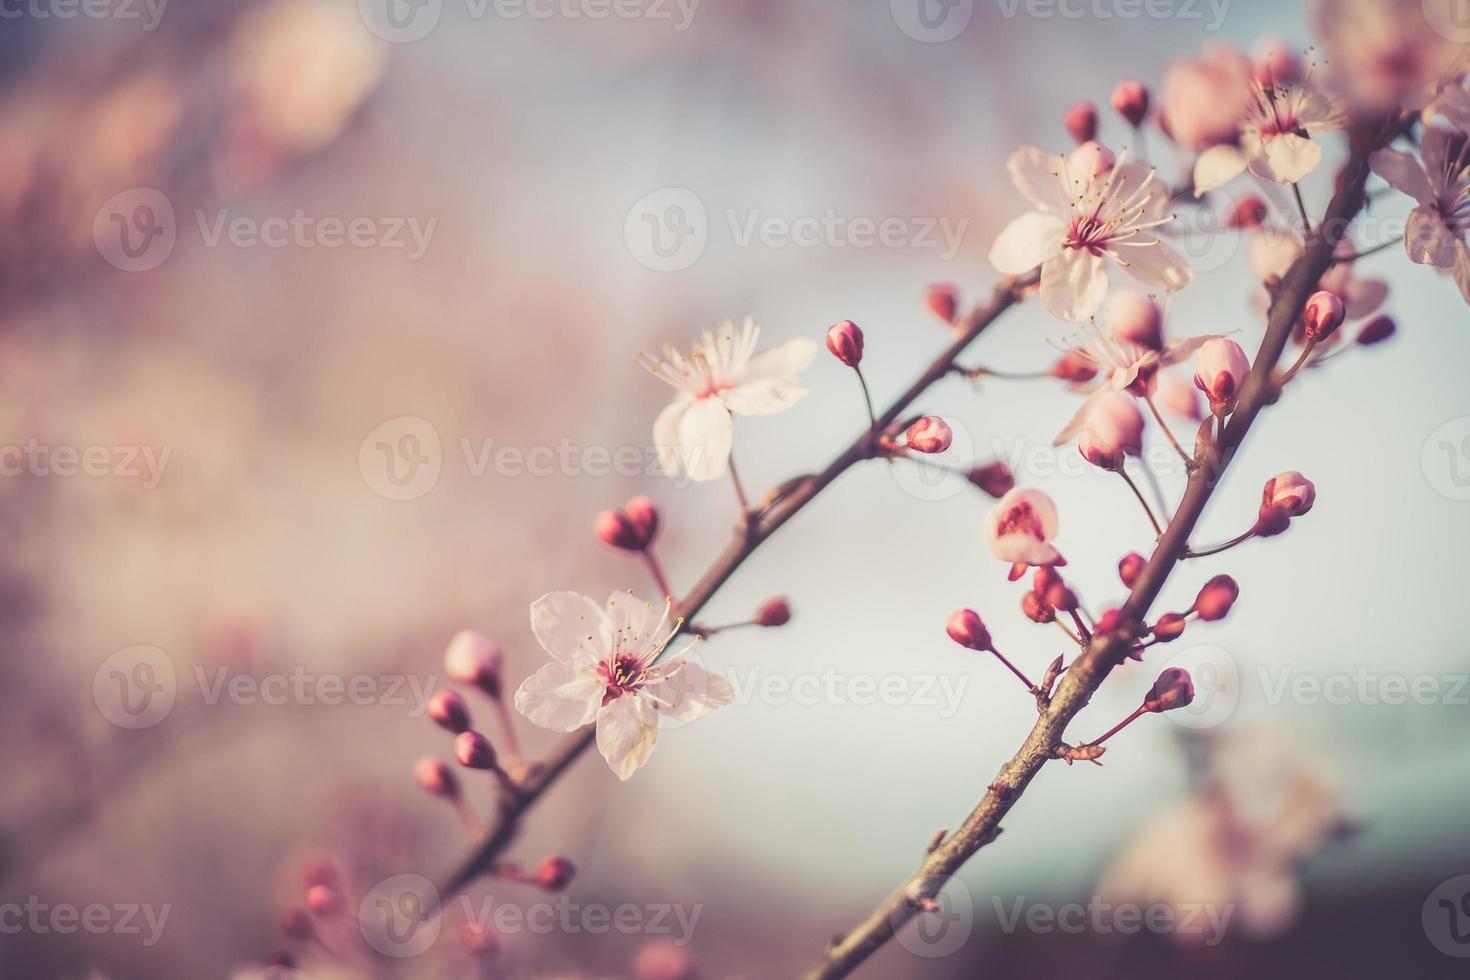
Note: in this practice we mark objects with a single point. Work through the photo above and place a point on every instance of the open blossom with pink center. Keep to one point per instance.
(1275, 136)
(1112, 430)
(1440, 183)
(721, 377)
(605, 671)
(1080, 220)
(1393, 52)
(1204, 98)
(1020, 529)
(1219, 371)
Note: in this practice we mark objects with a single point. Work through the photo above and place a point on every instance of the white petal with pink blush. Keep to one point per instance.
(610, 670)
(722, 376)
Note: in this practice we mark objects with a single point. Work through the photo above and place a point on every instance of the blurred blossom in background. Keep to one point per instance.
(318, 325)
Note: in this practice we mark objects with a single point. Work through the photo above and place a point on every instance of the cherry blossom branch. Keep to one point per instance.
(1107, 649)
(760, 524)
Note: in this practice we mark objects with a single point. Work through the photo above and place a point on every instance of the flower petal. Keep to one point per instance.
(1272, 253)
(705, 433)
(1073, 284)
(763, 396)
(638, 625)
(1460, 271)
(1364, 296)
(1403, 174)
(560, 697)
(1216, 167)
(686, 691)
(571, 627)
(786, 360)
(1027, 242)
(1037, 174)
(1427, 240)
(666, 434)
(1155, 265)
(1286, 158)
(626, 729)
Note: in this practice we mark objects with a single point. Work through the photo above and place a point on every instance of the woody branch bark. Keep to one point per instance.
(762, 523)
(1105, 651)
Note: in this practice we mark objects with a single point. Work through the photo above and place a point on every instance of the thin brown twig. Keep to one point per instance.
(1106, 650)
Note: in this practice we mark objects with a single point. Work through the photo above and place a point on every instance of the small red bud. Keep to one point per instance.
(1130, 100)
(325, 900)
(1169, 626)
(1173, 689)
(449, 711)
(1073, 367)
(555, 873)
(773, 612)
(943, 300)
(296, 924)
(1036, 609)
(1130, 566)
(1378, 329)
(845, 341)
(472, 659)
(319, 871)
(930, 434)
(435, 777)
(1322, 315)
(616, 530)
(1248, 215)
(966, 629)
(1216, 598)
(1271, 521)
(1061, 598)
(474, 751)
(1110, 620)
(645, 517)
(994, 478)
(1045, 578)
(1081, 121)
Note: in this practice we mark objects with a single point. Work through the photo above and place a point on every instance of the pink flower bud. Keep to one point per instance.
(478, 939)
(661, 959)
(325, 900)
(1036, 609)
(1173, 689)
(435, 776)
(1090, 160)
(296, 924)
(1081, 121)
(449, 711)
(1379, 329)
(474, 750)
(1322, 315)
(1277, 63)
(1073, 367)
(616, 530)
(1110, 620)
(1112, 430)
(1061, 598)
(1216, 598)
(773, 612)
(1130, 100)
(966, 629)
(1045, 579)
(1134, 316)
(1249, 214)
(930, 434)
(1220, 369)
(472, 659)
(645, 517)
(555, 873)
(845, 341)
(1169, 626)
(1130, 566)
(943, 299)
(994, 478)
(319, 871)
(1289, 491)
(1271, 521)
(1178, 396)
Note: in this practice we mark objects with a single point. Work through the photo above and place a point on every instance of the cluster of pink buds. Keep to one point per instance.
(631, 529)
(324, 899)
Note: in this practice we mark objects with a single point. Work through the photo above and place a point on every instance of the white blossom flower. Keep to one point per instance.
(1077, 223)
(1275, 137)
(1437, 228)
(722, 375)
(605, 670)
